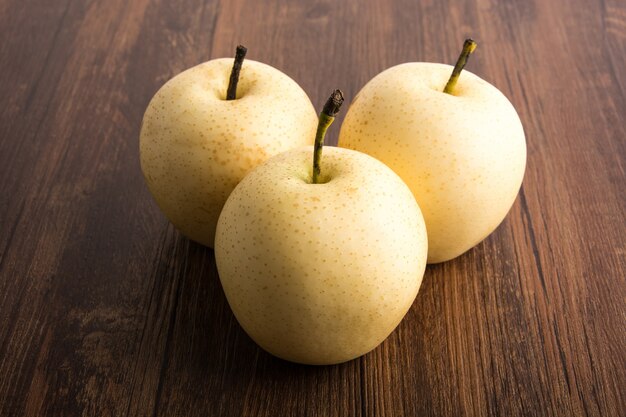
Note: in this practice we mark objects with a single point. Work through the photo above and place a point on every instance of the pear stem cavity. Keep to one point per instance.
(327, 116)
(240, 54)
(468, 47)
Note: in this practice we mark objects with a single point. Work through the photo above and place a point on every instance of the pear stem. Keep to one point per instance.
(327, 116)
(240, 54)
(468, 47)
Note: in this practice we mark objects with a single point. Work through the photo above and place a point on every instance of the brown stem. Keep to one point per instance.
(331, 108)
(240, 54)
(468, 47)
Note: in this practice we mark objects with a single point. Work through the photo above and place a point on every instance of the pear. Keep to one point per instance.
(207, 127)
(320, 262)
(462, 152)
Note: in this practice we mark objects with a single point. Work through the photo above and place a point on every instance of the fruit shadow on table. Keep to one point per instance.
(204, 341)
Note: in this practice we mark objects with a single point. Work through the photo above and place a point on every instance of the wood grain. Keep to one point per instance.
(105, 310)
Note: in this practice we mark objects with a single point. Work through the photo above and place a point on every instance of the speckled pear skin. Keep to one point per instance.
(320, 273)
(462, 155)
(195, 146)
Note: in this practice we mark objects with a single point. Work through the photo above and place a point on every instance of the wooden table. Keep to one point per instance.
(105, 310)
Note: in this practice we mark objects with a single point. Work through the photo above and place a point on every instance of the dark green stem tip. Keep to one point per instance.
(333, 104)
(240, 52)
(469, 45)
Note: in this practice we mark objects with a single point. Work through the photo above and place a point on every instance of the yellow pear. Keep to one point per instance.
(320, 265)
(462, 153)
(196, 145)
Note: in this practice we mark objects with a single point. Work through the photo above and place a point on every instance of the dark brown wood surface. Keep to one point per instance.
(105, 310)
